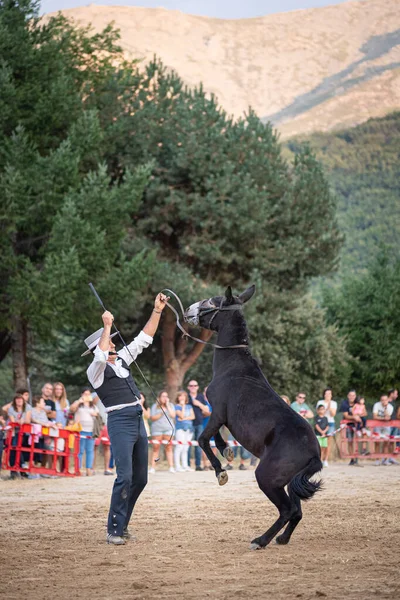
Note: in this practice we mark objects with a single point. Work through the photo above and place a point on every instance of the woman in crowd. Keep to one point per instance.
(286, 399)
(85, 412)
(146, 413)
(183, 431)
(39, 416)
(330, 412)
(161, 429)
(61, 402)
(20, 413)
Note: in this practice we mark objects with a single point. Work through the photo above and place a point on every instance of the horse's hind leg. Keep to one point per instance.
(223, 448)
(275, 491)
(294, 521)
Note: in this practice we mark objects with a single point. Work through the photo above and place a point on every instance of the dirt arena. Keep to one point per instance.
(193, 540)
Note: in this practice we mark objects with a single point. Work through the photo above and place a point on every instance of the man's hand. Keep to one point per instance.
(159, 302)
(107, 319)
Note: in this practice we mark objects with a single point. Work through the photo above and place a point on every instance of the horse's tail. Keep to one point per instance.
(301, 486)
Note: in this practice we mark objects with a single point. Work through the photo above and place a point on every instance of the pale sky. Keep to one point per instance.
(224, 9)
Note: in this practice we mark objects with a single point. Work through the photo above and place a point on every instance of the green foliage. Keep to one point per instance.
(222, 198)
(63, 218)
(363, 168)
(104, 167)
(367, 312)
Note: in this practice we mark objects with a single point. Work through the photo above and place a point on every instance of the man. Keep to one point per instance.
(201, 411)
(347, 409)
(301, 407)
(110, 376)
(47, 395)
(393, 395)
(383, 411)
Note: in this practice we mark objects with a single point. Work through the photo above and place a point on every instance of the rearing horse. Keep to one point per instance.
(243, 400)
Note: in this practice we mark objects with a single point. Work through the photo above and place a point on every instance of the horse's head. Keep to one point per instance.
(206, 313)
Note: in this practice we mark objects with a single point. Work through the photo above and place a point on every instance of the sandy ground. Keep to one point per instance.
(193, 539)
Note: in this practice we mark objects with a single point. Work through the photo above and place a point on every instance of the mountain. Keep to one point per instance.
(363, 166)
(306, 70)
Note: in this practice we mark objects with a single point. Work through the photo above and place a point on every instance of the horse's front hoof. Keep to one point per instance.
(222, 478)
(255, 546)
(229, 454)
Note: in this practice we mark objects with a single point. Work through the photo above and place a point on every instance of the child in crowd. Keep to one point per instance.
(39, 416)
(321, 427)
(360, 409)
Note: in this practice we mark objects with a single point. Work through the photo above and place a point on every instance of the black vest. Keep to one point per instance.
(117, 390)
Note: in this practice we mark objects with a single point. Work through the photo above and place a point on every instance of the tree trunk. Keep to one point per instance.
(18, 350)
(5, 343)
(177, 354)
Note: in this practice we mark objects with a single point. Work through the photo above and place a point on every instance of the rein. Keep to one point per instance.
(214, 309)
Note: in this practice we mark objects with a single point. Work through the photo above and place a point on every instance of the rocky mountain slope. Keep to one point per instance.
(305, 70)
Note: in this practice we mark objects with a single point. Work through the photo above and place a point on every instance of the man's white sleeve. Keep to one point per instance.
(95, 372)
(136, 347)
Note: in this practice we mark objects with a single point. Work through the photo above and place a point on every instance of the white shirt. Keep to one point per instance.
(381, 410)
(95, 372)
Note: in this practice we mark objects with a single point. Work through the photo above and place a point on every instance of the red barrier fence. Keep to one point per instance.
(26, 445)
(372, 445)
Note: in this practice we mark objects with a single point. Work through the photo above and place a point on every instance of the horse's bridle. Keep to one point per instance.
(206, 309)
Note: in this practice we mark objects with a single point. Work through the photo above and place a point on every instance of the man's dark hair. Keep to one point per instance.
(391, 391)
(22, 391)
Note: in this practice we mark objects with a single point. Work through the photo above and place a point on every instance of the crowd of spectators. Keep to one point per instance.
(353, 410)
(185, 419)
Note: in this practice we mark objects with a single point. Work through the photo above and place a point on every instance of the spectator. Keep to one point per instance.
(85, 412)
(146, 413)
(382, 411)
(286, 399)
(393, 395)
(301, 407)
(20, 413)
(201, 411)
(50, 405)
(26, 396)
(2, 425)
(321, 428)
(360, 409)
(347, 409)
(162, 429)
(40, 416)
(104, 438)
(183, 431)
(330, 406)
(61, 403)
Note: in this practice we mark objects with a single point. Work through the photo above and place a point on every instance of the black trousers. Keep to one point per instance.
(130, 449)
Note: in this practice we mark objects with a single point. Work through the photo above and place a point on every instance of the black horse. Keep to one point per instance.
(243, 400)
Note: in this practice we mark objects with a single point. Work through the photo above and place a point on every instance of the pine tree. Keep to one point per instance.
(63, 219)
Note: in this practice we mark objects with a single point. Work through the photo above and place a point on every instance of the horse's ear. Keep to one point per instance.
(228, 294)
(247, 294)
